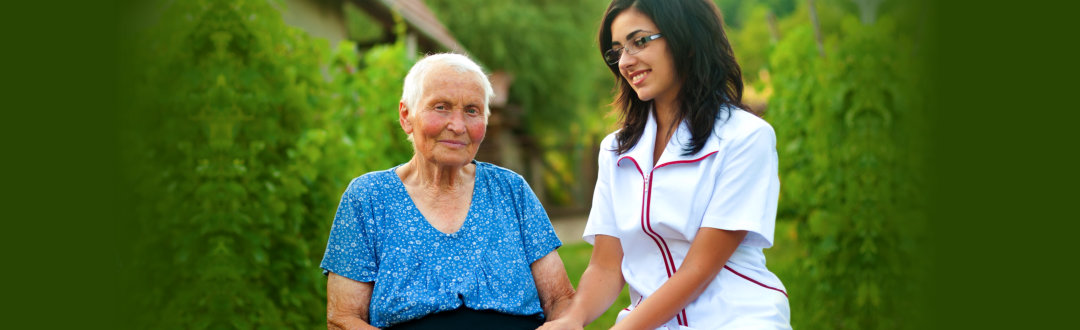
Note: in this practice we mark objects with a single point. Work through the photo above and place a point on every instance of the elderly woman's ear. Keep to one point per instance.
(403, 118)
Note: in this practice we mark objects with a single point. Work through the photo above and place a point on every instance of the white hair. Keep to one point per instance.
(414, 81)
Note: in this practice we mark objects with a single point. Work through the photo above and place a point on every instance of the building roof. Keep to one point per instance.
(432, 33)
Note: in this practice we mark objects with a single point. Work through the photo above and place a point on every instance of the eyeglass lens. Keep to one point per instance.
(613, 55)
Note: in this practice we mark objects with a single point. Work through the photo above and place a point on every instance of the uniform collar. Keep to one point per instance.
(642, 152)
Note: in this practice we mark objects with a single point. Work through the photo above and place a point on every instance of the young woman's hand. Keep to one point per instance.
(560, 324)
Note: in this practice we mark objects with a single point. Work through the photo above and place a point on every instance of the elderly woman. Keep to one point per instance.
(443, 240)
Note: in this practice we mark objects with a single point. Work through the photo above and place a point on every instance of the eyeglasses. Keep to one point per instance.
(613, 55)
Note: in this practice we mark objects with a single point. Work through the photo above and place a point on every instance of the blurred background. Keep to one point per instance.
(244, 120)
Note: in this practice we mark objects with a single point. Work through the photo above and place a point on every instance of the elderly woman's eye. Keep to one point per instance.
(472, 111)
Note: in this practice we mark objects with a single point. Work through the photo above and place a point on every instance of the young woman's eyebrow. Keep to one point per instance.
(631, 34)
(628, 36)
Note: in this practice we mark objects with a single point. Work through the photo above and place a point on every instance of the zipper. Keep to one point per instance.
(646, 226)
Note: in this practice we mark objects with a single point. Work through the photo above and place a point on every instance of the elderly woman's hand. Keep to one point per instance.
(560, 324)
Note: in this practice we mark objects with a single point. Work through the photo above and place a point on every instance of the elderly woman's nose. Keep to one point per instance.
(456, 123)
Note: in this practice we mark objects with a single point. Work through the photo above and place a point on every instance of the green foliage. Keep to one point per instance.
(848, 129)
(245, 132)
(548, 45)
(561, 85)
(752, 43)
(361, 27)
(737, 13)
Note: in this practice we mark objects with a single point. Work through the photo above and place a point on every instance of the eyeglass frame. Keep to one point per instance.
(631, 48)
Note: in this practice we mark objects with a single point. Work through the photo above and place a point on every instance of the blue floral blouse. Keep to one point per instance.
(379, 236)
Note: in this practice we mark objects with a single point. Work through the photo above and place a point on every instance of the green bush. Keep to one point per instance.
(848, 127)
(242, 133)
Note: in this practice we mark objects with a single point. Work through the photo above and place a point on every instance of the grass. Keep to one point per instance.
(782, 260)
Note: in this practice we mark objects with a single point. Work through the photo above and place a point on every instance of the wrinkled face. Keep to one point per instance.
(447, 125)
(650, 72)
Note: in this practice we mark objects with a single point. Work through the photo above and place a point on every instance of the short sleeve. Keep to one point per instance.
(601, 216)
(537, 234)
(348, 250)
(747, 188)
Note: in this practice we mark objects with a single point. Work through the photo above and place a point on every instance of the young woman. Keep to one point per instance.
(686, 195)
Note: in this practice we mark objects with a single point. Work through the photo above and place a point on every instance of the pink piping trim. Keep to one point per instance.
(665, 251)
(648, 223)
(681, 316)
(635, 305)
(635, 165)
(661, 244)
(685, 321)
(684, 161)
(755, 282)
(656, 237)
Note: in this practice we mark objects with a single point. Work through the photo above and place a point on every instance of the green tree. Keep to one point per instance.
(243, 132)
(848, 128)
(560, 82)
(738, 12)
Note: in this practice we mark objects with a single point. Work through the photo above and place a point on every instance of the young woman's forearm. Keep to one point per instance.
(600, 284)
(679, 290)
(707, 256)
(597, 290)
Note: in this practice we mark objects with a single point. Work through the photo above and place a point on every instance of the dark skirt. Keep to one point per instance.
(465, 318)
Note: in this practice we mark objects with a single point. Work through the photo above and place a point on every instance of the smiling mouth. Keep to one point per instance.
(638, 78)
(453, 144)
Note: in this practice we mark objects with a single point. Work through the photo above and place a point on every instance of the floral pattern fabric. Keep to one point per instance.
(379, 236)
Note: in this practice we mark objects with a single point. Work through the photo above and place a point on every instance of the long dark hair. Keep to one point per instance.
(704, 62)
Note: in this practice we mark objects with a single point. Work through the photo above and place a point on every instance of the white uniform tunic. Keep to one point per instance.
(656, 210)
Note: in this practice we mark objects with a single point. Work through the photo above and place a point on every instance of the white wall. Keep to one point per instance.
(317, 20)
